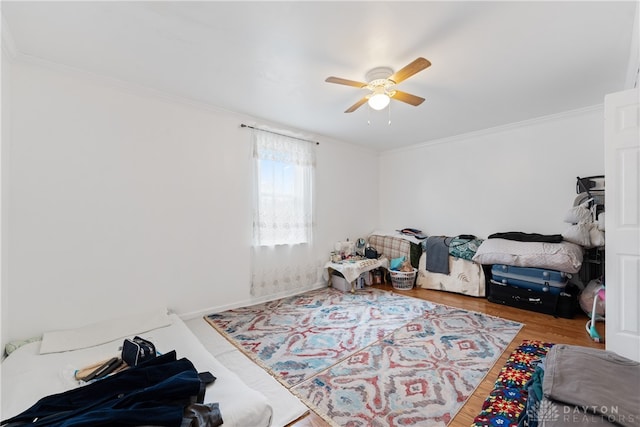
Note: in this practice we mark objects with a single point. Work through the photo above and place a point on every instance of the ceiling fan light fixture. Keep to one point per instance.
(382, 83)
(379, 100)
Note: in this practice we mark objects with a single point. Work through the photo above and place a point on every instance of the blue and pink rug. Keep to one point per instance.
(373, 358)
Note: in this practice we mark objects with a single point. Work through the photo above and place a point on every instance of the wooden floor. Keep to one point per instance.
(537, 326)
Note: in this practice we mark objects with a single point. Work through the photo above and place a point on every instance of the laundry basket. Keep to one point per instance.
(403, 280)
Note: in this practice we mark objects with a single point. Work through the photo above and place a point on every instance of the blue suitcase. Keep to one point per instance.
(536, 279)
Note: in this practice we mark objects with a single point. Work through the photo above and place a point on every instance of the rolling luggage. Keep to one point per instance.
(563, 304)
(535, 279)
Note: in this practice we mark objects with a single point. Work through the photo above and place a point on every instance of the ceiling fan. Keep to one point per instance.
(382, 83)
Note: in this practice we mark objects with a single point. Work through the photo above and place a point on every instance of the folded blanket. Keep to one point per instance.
(528, 237)
(589, 386)
(463, 248)
(437, 254)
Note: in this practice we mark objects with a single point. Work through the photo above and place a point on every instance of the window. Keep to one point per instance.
(283, 190)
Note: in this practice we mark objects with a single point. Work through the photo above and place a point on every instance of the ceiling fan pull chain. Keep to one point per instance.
(369, 115)
(389, 115)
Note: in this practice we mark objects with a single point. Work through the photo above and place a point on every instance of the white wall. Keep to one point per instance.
(5, 96)
(120, 199)
(515, 178)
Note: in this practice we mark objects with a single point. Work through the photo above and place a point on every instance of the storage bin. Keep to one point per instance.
(340, 283)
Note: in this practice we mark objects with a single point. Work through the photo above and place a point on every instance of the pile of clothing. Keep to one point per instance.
(440, 248)
(164, 391)
(583, 386)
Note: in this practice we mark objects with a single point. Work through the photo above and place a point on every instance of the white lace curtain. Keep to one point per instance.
(283, 270)
(282, 259)
(283, 198)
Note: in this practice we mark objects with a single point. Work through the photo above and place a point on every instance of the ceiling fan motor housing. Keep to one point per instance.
(379, 82)
(379, 73)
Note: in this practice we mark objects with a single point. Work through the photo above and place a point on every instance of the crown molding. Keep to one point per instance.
(500, 129)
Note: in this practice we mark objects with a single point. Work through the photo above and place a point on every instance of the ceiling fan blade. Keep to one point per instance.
(409, 70)
(357, 105)
(346, 82)
(408, 98)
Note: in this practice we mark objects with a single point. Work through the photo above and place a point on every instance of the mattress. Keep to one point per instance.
(28, 375)
(286, 407)
(465, 277)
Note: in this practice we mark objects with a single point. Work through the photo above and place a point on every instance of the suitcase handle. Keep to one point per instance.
(529, 300)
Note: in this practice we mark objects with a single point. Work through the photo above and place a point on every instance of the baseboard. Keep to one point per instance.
(248, 302)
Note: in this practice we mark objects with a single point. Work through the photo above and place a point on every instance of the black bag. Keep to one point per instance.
(137, 350)
(370, 253)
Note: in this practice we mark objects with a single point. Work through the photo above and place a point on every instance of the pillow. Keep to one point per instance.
(103, 332)
(577, 214)
(596, 235)
(578, 234)
(565, 256)
(396, 263)
(601, 221)
(12, 346)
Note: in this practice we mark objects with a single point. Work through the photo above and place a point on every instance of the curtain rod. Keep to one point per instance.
(242, 125)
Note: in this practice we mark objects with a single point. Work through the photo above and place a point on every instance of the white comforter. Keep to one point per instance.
(28, 375)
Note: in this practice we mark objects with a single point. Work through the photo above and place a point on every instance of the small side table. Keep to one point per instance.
(350, 270)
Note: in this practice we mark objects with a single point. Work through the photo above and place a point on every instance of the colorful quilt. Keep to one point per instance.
(507, 401)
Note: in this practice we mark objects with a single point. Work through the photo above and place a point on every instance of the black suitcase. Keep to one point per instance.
(560, 305)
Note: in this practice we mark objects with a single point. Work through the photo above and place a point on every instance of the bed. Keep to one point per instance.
(47, 367)
(465, 275)
(286, 407)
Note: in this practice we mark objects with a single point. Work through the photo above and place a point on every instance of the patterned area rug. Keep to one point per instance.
(296, 337)
(373, 358)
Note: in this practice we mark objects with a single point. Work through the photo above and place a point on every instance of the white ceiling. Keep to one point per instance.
(494, 63)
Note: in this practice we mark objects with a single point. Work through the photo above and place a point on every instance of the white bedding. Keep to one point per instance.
(286, 407)
(103, 332)
(564, 256)
(28, 375)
